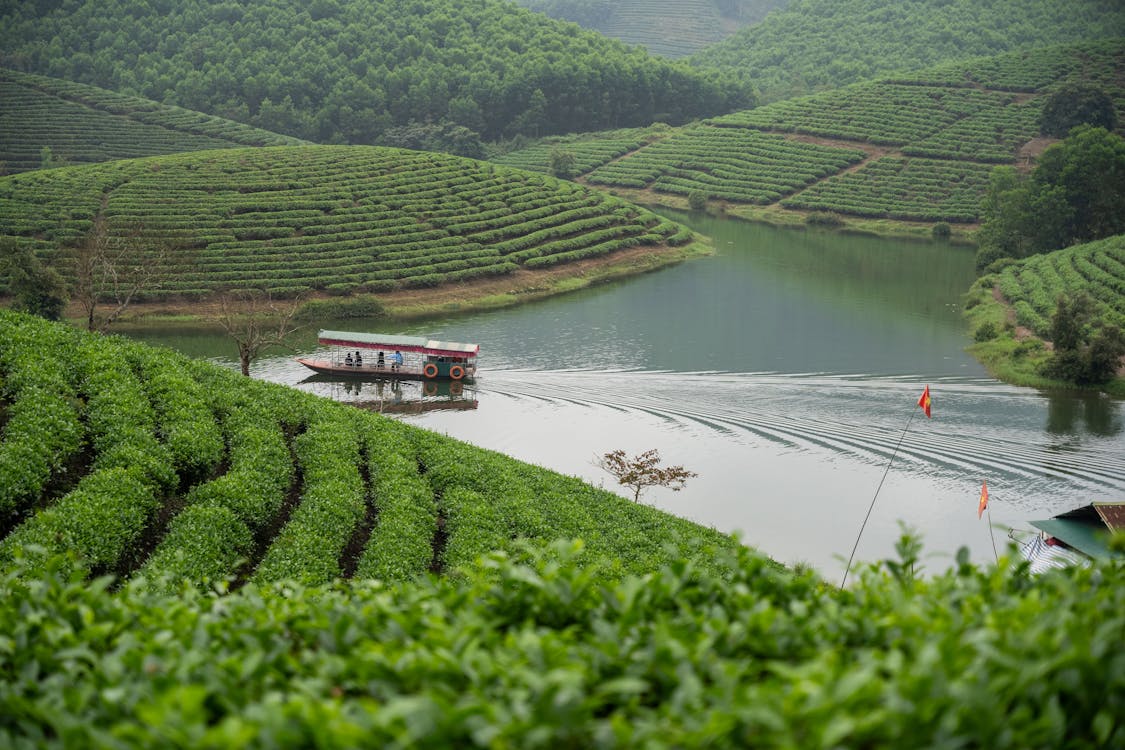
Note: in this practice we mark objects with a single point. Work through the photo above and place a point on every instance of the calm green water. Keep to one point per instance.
(784, 370)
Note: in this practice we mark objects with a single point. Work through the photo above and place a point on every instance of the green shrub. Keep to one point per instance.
(941, 231)
(985, 332)
(697, 200)
(823, 219)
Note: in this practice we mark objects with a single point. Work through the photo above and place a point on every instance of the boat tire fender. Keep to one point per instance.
(430, 370)
(457, 372)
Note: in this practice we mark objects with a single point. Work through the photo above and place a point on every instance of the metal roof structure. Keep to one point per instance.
(389, 342)
(1087, 528)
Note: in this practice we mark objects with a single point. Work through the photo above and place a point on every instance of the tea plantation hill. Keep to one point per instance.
(356, 71)
(366, 583)
(812, 45)
(145, 462)
(1010, 310)
(916, 148)
(82, 124)
(333, 219)
(670, 28)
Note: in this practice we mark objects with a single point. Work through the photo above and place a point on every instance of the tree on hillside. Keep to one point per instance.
(562, 162)
(110, 271)
(1075, 194)
(255, 321)
(37, 288)
(643, 471)
(1083, 354)
(1074, 105)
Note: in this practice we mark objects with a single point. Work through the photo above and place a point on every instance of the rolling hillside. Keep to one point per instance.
(812, 45)
(147, 463)
(355, 71)
(670, 28)
(338, 219)
(84, 124)
(1032, 286)
(911, 148)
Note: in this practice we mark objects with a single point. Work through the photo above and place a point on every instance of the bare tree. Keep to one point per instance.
(643, 471)
(109, 271)
(256, 322)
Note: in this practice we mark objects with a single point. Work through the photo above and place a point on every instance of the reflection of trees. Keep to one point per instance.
(1093, 412)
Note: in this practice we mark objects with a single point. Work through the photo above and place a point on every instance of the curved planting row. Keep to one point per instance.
(1034, 285)
(991, 135)
(882, 113)
(910, 189)
(732, 163)
(394, 500)
(320, 218)
(85, 124)
(1032, 70)
(401, 544)
(206, 540)
(42, 430)
(103, 517)
(331, 505)
(588, 153)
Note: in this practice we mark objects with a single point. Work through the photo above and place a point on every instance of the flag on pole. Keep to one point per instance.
(924, 401)
(983, 500)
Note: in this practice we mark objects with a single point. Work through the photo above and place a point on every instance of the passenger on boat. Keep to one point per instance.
(397, 363)
(380, 362)
(358, 358)
(348, 360)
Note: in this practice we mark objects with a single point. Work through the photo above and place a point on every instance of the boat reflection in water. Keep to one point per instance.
(394, 396)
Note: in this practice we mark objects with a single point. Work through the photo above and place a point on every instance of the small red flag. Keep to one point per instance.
(924, 401)
(983, 500)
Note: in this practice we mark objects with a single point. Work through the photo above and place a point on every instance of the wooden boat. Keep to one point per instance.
(377, 355)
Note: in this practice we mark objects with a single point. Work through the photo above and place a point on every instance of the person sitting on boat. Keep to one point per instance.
(380, 362)
(348, 360)
(397, 363)
(358, 358)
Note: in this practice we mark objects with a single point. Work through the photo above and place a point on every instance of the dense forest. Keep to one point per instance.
(672, 28)
(818, 44)
(353, 72)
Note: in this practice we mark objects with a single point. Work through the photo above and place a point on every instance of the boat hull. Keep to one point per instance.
(386, 372)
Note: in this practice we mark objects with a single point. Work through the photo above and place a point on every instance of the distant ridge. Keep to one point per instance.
(83, 124)
(813, 45)
(670, 28)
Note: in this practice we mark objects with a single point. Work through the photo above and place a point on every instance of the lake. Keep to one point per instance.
(785, 371)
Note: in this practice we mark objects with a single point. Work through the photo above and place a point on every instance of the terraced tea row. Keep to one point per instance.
(728, 163)
(958, 119)
(1033, 286)
(195, 472)
(896, 188)
(327, 218)
(889, 114)
(84, 124)
(589, 151)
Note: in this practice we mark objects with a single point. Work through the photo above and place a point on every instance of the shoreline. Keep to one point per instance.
(517, 288)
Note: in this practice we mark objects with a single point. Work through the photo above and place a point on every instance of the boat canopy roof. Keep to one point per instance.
(417, 344)
(1086, 528)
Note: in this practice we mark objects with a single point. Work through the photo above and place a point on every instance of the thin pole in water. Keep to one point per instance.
(992, 535)
(872, 506)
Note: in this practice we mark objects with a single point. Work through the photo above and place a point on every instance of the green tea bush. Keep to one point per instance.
(535, 649)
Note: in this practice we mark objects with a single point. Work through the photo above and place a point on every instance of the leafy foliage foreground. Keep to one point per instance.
(532, 650)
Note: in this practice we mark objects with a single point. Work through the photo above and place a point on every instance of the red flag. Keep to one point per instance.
(983, 500)
(924, 401)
